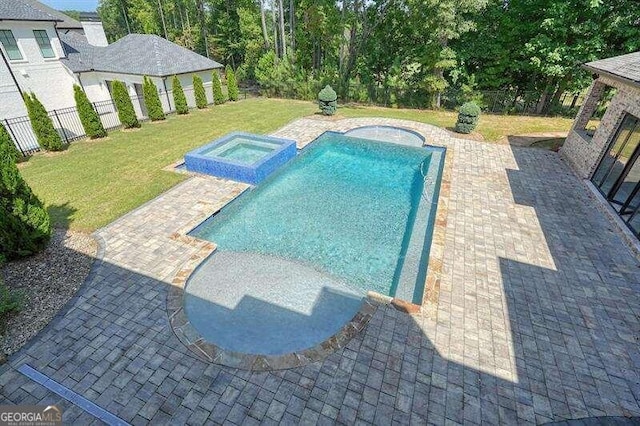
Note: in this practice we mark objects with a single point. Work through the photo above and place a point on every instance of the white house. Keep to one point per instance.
(46, 52)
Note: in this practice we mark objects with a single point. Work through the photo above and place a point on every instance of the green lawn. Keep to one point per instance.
(491, 126)
(94, 182)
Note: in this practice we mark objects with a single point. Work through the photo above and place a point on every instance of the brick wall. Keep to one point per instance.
(583, 152)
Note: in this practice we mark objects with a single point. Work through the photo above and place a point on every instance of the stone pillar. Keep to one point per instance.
(590, 104)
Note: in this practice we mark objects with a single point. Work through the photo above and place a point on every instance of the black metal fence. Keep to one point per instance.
(517, 102)
(67, 120)
(67, 123)
(504, 101)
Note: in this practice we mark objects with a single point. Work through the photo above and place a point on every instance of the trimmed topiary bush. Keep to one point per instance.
(179, 99)
(152, 100)
(218, 97)
(467, 118)
(25, 227)
(11, 149)
(199, 93)
(126, 112)
(88, 116)
(328, 100)
(232, 84)
(47, 136)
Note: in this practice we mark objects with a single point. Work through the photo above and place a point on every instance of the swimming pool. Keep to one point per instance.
(357, 209)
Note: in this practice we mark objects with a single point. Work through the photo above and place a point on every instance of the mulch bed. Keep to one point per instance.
(47, 281)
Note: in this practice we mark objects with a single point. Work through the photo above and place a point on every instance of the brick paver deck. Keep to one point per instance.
(537, 318)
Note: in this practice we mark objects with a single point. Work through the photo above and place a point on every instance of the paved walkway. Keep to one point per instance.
(537, 318)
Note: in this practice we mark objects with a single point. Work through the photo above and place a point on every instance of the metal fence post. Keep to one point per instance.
(55, 113)
(13, 135)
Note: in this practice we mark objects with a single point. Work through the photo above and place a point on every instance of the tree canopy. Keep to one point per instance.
(392, 51)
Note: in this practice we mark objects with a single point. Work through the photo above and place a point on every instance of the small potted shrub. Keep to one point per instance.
(467, 118)
(328, 100)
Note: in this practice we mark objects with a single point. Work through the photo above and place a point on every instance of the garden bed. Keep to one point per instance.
(47, 281)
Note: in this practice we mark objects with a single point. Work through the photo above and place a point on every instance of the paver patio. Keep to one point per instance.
(538, 316)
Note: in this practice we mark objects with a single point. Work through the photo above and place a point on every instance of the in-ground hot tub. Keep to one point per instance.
(243, 157)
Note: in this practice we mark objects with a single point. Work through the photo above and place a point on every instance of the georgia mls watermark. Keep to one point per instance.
(30, 415)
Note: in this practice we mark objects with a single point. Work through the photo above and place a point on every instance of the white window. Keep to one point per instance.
(44, 43)
(10, 45)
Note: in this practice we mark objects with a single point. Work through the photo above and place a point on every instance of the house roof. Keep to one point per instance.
(66, 22)
(140, 54)
(624, 67)
(22, 10)
(148, 54)
(79, 51)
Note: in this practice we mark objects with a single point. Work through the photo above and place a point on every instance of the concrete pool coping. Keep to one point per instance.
(209, 352)
(191, 338)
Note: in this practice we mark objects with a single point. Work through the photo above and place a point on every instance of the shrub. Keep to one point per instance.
(179, 99)
(126, 113)
(328, 100)
(10, 301)
(467, 118)
(218, 97)
(152, 100)
(10, 149)
(25, 227)
(232, 84)
(200, 94)
(88, 116)
(47, 136)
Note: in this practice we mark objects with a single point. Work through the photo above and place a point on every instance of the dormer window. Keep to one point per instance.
(44, 43)
(10, 46)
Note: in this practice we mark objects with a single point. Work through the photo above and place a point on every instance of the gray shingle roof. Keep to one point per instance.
(141, 54)
(626, 67)
(18, 10)
(148, 54)
(67, 22)
(79, 51)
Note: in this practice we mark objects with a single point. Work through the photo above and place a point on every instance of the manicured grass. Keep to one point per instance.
(94, 182)
(491, 126)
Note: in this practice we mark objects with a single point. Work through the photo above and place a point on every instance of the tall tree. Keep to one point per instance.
(152, 100)
(47, 135)
(263, 21)
(179, 99)
(88, 115)
(126, 112)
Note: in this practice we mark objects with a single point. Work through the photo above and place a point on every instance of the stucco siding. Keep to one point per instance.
(48, 78)
(186, 80)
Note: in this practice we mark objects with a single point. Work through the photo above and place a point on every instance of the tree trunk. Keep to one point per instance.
(292, 26)
(203, 25)
(283, 44)
(164, 24)
(439, 72)
(542, 102)
(344, 43)
(275, 29)
(126, 18)
(263, 21)
(555, 99)
(349, 61)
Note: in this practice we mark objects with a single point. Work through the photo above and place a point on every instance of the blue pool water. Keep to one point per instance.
(357, 209)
